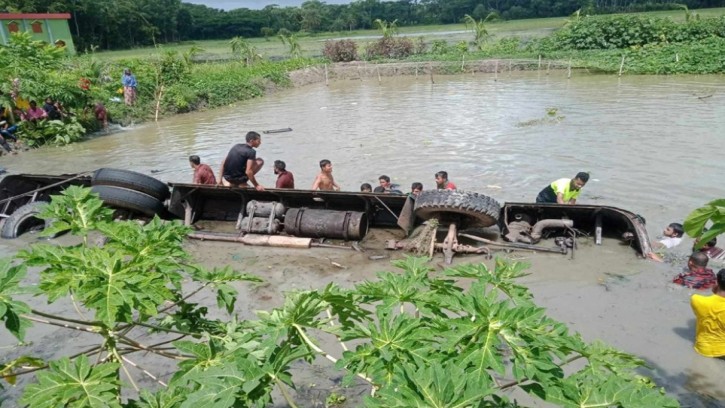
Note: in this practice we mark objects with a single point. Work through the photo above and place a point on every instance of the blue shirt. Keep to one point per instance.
(129, 80)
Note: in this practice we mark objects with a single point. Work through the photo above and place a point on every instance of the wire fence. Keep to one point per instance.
(363, 69)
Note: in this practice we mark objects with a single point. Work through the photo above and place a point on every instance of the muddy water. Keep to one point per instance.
(652, 145)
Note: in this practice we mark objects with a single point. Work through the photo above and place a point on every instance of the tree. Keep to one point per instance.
(245, 50)
(293, 45)
(387, 29)
(480, 33)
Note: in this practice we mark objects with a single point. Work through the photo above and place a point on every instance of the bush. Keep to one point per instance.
(504, 46)
(340, 51)
(55, 132)
(440, 47)
(616, 32)
(390, 47)
(613, 32)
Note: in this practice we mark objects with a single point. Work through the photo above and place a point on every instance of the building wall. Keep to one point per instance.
(52, 30)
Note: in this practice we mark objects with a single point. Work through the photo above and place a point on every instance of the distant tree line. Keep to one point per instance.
(130, 23)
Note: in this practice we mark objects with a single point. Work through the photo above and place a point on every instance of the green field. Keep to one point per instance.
(312, 45)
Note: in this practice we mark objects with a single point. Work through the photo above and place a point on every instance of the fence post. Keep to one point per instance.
(568, 73)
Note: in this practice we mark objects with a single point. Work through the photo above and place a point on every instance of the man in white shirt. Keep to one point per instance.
(672, 235)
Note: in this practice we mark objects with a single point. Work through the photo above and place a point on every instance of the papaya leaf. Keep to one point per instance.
(715, 230)
(170, 397)
(77, 210)
(218, 278)
(11, 310)
(115, 286)
(589, 389)
(696, 221)
(74, 384)
(7, 370)
(343, 304)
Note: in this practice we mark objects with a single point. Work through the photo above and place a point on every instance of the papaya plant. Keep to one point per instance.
(712, 213)
(461, 337)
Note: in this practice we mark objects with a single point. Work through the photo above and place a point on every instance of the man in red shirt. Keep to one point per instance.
(285, 179)
(203, 174)
(697, 275)
(442, 181)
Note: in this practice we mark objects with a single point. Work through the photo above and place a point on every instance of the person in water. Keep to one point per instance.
(324, 180)
(672, 235)
(203, 174)
(442, 182)
(415, 189)
(710, 320)
(285, 179)
(366, 188)
(563, 191)
(697, 275)
(386, 186)
(711, 249)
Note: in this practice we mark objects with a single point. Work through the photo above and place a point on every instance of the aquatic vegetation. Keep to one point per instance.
(552, 117)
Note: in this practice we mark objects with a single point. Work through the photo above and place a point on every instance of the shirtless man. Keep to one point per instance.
(324, 180)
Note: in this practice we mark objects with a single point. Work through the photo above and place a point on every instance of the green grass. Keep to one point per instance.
(312, 45)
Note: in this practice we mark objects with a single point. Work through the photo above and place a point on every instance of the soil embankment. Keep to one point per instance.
(359, 70)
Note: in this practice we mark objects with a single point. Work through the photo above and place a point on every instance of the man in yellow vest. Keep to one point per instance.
(563, 191)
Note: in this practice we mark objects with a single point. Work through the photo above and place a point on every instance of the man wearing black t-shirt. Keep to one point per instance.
(242, 164)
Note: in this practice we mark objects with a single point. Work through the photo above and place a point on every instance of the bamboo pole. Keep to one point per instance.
(430, 66)
(621, 66)
(158, 103)
(539, 68)
(327, 82)
(463, 62)
(377, 69)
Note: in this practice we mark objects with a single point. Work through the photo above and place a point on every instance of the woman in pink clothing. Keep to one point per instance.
(34, 112)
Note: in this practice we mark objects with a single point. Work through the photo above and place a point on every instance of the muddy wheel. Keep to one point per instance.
(126, 199)
(132, 181)
(24, 219)
(467, 209)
